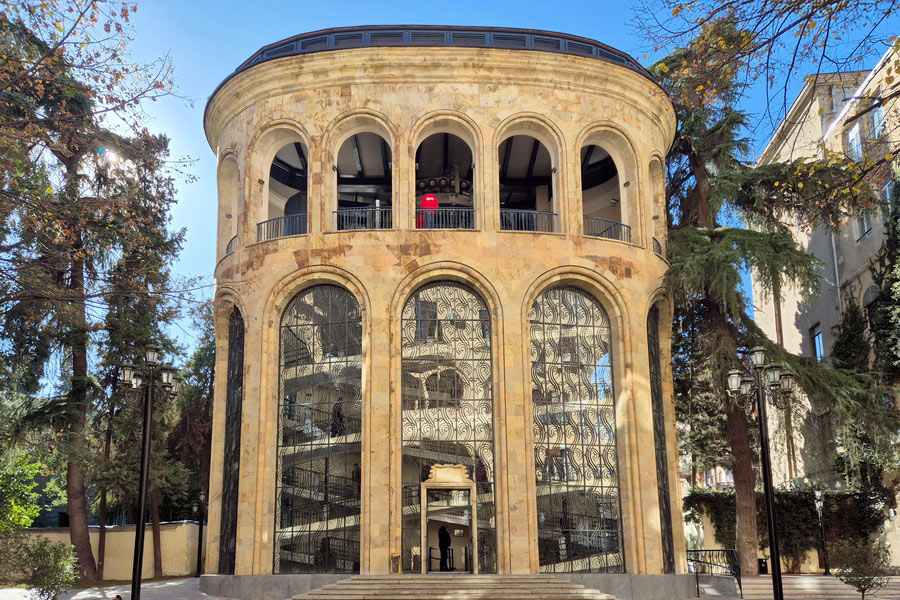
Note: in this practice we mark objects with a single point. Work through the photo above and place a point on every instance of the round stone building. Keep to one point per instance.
(442, 337)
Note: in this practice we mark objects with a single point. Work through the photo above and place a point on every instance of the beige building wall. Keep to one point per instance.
(178, 542)
(483, 96)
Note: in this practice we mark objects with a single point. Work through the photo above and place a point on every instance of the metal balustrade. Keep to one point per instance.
(445, 218)
(605, 228)
(281, 227)
(715, 562)
(527, 220)
(231, 246)
(369, 217)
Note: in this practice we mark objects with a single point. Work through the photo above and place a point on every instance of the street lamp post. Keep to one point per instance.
(198, 510)
(156, 377)
(820, 508)
(762, 383)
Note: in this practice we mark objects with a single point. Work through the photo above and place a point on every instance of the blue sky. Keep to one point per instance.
(207, 40)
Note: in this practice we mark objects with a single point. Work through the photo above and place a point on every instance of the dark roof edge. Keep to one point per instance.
(324, 40)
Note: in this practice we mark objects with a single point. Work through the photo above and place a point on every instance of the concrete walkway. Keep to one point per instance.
(169, 589)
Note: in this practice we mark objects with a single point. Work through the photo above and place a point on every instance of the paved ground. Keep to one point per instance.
(170, 589)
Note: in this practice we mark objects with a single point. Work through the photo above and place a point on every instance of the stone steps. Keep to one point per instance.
(455, 587)
(812, 587)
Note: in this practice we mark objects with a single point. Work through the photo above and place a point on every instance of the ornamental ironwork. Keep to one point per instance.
(234, 392)
(574, 424)
(447, 407)
(318, 480)
(659, 440)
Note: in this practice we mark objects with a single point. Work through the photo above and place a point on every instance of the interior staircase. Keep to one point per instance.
(808, 587)
(456, 587)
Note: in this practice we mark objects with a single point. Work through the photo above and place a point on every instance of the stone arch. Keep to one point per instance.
(229, 192)
(266, 143)
(621, 149)
(657, 205)
(540, 129)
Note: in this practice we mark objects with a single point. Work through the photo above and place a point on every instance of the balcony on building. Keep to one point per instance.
(364, 170)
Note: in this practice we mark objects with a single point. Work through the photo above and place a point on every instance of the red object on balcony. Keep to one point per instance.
(428, 201)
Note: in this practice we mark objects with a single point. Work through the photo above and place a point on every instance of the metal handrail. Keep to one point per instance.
(231, 246)
(658, 247)
(527, 220)
(369, 217)
(716, 562)
(606, 228)
(281, 227)
(445, 218)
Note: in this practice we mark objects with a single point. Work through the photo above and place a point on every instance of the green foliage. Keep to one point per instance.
(18, 502)
(50, 568)
(884, 314)
(864, 564)
(848, 515)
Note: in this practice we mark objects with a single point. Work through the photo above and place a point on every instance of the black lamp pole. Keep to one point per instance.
(820, 508)
(200, 533)
(780, 384)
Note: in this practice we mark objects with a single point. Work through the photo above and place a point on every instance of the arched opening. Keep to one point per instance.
(229, 198)
(288, 192)
(447, 418)
(574, 424)
(526, 185)
(659, 439)
(364, 196)
(444, 183)
(660, 210)
(601, 195)
(319, 423)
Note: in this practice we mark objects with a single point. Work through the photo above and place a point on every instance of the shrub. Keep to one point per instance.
(50, 568)
(865, 564)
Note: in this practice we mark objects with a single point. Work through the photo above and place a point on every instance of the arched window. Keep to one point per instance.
(601, 195)
(234, 392)
(229, 205)
(526, 185)
(319, 425)
(659, 438)
(446, 348)
(444, 169)
(574, 422)
(364, 183)
(288, 193)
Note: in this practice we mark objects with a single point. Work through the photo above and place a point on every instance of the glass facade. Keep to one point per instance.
(318, 475)
(234, 392)
(574, 424)
(447, 407)
(659, 438)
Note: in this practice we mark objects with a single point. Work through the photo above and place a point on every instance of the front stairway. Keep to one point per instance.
(456, 587)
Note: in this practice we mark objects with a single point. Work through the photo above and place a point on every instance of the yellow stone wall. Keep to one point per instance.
(483, 96)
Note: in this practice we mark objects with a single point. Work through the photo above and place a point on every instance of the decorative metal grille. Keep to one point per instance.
(576, 464)
(318, 478)
(448, 407)
(234, 392)
(659, 438)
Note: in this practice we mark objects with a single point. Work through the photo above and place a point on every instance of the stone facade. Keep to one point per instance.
(483, 96)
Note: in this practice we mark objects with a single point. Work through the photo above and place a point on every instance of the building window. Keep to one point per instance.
(659, 437)
(445, 353)
(574, 423)
(877, 121)
(319, 422)
(887, 193)
(854, 143)
(815, 335)
(234, 391)
(863, 225)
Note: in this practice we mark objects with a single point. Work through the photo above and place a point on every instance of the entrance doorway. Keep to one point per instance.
(449, 527)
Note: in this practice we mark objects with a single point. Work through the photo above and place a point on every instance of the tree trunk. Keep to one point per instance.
(157, 545)
(78, 515)
(745, 534)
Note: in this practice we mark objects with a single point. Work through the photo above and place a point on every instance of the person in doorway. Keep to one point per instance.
(427, 212)
(444, 541)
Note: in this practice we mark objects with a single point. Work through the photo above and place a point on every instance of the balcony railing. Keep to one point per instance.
(658, 248)
(445, 218)
(231, 246)
(281, 227)
(363, 218)
(605, 228)
(527, 220)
